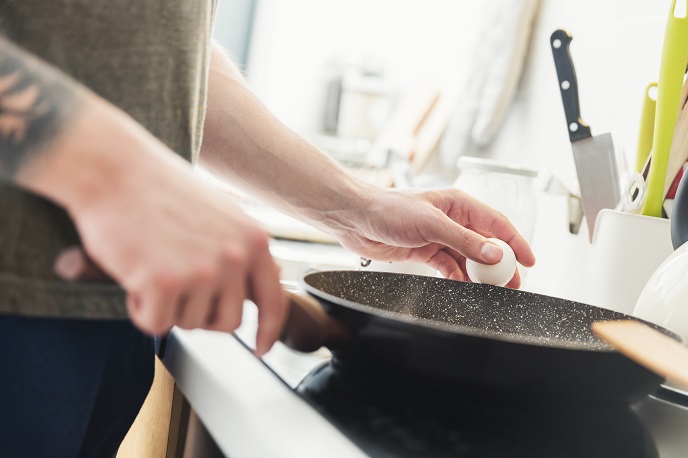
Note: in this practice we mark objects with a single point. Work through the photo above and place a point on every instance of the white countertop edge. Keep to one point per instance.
(236, 397)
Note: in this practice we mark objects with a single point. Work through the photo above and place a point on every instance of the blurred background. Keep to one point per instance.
(293, 52)
(432, 93)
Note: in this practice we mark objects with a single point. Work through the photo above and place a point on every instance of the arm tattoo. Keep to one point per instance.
(34, 101)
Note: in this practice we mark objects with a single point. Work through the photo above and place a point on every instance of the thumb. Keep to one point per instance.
(467, 242)
(73, 264)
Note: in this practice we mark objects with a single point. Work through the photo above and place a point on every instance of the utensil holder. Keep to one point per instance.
(626, 249)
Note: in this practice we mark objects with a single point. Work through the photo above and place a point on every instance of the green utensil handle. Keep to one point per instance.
(647, 127)
(671, 71)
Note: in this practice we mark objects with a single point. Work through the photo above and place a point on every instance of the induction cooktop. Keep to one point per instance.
(395, 424)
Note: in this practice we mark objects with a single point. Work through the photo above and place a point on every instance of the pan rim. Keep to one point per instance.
(512, 338)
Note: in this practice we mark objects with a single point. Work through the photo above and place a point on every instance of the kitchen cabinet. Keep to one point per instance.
(155, 431)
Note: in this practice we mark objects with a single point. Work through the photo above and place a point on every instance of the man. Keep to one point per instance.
(96, 97)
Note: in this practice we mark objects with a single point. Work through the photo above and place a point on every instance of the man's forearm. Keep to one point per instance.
(57, 138)
(35, 104)
(49, 125)
(243, 142)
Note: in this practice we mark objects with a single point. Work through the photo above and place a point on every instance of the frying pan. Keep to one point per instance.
(472, 339)
(462, 340)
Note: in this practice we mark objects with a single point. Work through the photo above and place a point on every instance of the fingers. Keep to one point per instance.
(154, 310)
(216, 302)
(452, 265)
(229, 306)
(463, 240)
(271, 301)
(467, 223)
(515, 282)
(485, 219)
(524, 255)
(73, 264)
(211, 296)
(195, 308)
(447, 265)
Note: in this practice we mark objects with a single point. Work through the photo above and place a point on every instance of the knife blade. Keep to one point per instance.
(593, 155)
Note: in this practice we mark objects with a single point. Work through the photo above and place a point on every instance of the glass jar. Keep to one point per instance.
(508, 188)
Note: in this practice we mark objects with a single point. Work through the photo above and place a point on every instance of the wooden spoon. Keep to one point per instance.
(648, 347)
(678, 154)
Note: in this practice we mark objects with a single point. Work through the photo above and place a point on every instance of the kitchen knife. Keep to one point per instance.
(593, 156)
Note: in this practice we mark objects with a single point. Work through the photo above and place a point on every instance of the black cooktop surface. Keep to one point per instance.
(398, 422)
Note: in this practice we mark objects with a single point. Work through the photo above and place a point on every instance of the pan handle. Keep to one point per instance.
(307, 326)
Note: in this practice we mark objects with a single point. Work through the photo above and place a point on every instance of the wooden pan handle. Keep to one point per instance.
(307, 327)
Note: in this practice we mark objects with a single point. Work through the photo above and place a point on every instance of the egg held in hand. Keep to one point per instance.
(494, 274)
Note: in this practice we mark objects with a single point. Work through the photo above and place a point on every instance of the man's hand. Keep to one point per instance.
(438, 227)
(183, 252)
(185, 255)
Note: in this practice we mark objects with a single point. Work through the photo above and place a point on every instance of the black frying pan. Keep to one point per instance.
(480, 340)
(458, 339)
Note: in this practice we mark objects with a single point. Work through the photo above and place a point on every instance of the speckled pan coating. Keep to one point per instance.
(467, 308)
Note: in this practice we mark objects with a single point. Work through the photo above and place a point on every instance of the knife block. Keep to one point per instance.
(625, 250)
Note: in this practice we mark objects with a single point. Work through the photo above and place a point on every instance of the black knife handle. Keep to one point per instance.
(568, 85)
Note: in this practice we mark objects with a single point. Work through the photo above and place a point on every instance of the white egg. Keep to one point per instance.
(494, 274)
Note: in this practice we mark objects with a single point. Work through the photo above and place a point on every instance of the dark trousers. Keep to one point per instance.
(70, 388)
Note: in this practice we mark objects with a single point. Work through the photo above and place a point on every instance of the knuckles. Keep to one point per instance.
(233, 320)
(148, 321)
(228, 320)
(257, 239)
(166, 282)
(470, 240)
(164, 285)
(233, 256)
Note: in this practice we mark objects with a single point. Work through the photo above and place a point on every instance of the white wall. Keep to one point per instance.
(616, 50)
(293, 40)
